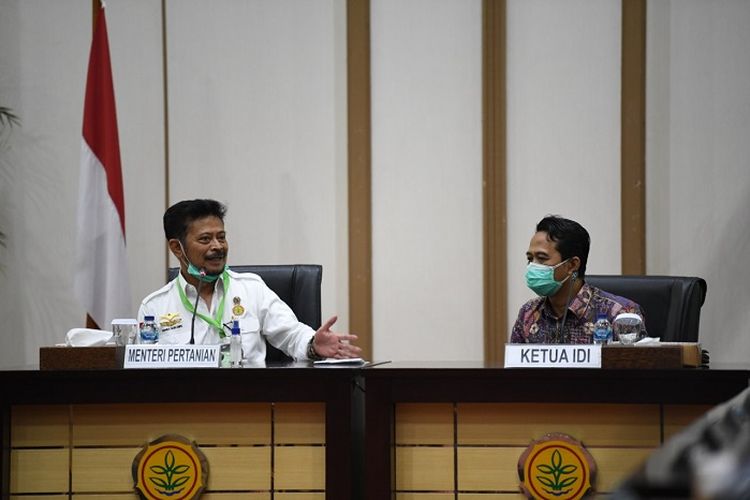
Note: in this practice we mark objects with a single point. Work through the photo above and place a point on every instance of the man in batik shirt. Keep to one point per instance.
(567, 307)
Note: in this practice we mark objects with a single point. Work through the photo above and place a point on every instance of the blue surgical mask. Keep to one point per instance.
(541, 278)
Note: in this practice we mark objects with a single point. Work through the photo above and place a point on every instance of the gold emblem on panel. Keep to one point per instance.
(556, 467)
(170, 468)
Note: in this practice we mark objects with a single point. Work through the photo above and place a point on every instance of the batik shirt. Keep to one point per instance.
(537, 323)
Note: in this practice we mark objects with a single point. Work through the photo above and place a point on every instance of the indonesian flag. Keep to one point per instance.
(101, 272)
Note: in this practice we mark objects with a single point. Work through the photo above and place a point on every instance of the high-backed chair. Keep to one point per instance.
(671, 304)
(298, 285)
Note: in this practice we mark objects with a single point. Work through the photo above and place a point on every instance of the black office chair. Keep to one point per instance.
(671, 304)
(298, 285)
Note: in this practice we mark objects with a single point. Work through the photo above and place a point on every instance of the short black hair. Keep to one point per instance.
(570, 239)
(179, 216)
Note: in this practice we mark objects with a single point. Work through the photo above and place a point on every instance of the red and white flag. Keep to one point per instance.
(101, 282)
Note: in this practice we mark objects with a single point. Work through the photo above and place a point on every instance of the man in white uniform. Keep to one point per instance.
(195, 233)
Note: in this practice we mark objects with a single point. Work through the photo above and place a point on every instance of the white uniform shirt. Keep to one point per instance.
(259, 310)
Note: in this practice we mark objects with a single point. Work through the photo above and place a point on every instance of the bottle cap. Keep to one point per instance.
(235, 327)
(148, 318)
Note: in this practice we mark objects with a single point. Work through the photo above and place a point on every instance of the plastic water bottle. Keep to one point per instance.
(149, 331)
(235, 345)
(602, 329)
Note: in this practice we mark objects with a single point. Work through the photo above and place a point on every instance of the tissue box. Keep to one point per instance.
(81, 358)
(647, 356)
(662, 355)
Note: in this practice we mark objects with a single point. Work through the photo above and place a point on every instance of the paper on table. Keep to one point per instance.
(344, 361)
(87, 337)
(648, 341)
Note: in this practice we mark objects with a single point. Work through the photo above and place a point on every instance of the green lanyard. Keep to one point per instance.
(215, 322)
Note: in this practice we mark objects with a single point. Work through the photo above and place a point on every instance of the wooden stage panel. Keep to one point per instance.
(425, 423)
(616, 464)
(239, 468)
(207, 423)
(677, 417)
(299, 423)
(39, 471)
(299, 468)
(307, 495)
(36, 426)
(424, 468)
(425, 496)
(44, 497)
(102, 469)
(509, 424)
(488, 469)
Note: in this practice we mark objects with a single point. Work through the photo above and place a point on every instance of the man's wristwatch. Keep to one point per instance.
(312, 355)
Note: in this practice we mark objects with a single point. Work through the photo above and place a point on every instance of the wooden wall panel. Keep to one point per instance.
(239, 468)
(103, 469)
(299, 496)
(40, 425)
(233, 496)
(485, 469)
(133, 496)
(595, 424)
(425, 496)
(491, 496)
(424, 468)
(677, 417)
(424, 423)
(134, 425)
(300, 423)
(300, 468)
(109, 496)
(42, 497)
(39, 471)
(616, 464)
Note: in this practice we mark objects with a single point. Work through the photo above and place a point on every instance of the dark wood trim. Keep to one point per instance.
(95, 5)
(360, 182)
(4, 449)
(165, 80)
(494, 179)
(633, 138)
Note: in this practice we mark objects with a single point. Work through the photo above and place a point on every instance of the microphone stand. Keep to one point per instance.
(195, 308)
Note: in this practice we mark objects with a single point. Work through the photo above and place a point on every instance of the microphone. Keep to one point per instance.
(195, 307)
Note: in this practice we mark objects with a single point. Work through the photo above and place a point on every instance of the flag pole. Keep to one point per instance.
(95, 5)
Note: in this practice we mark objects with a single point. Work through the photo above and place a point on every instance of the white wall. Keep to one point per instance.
(42, 76)
(257, 118)
(698, 172)
(426, 179)
(563, 128)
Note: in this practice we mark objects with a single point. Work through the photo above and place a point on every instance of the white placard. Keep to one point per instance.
(171, 356)
(553, 356)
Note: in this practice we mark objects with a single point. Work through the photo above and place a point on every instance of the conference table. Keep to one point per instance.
(404, 430)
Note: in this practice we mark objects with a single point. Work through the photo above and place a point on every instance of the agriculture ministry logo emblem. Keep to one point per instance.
(556, 467)
(171, 467)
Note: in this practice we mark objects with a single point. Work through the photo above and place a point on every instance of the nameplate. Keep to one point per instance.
(552, 356)
(171, 356)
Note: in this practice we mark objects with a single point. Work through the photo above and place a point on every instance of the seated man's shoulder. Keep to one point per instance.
(618, 304)
(244, 277)
(161, 292)
(532, 304)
